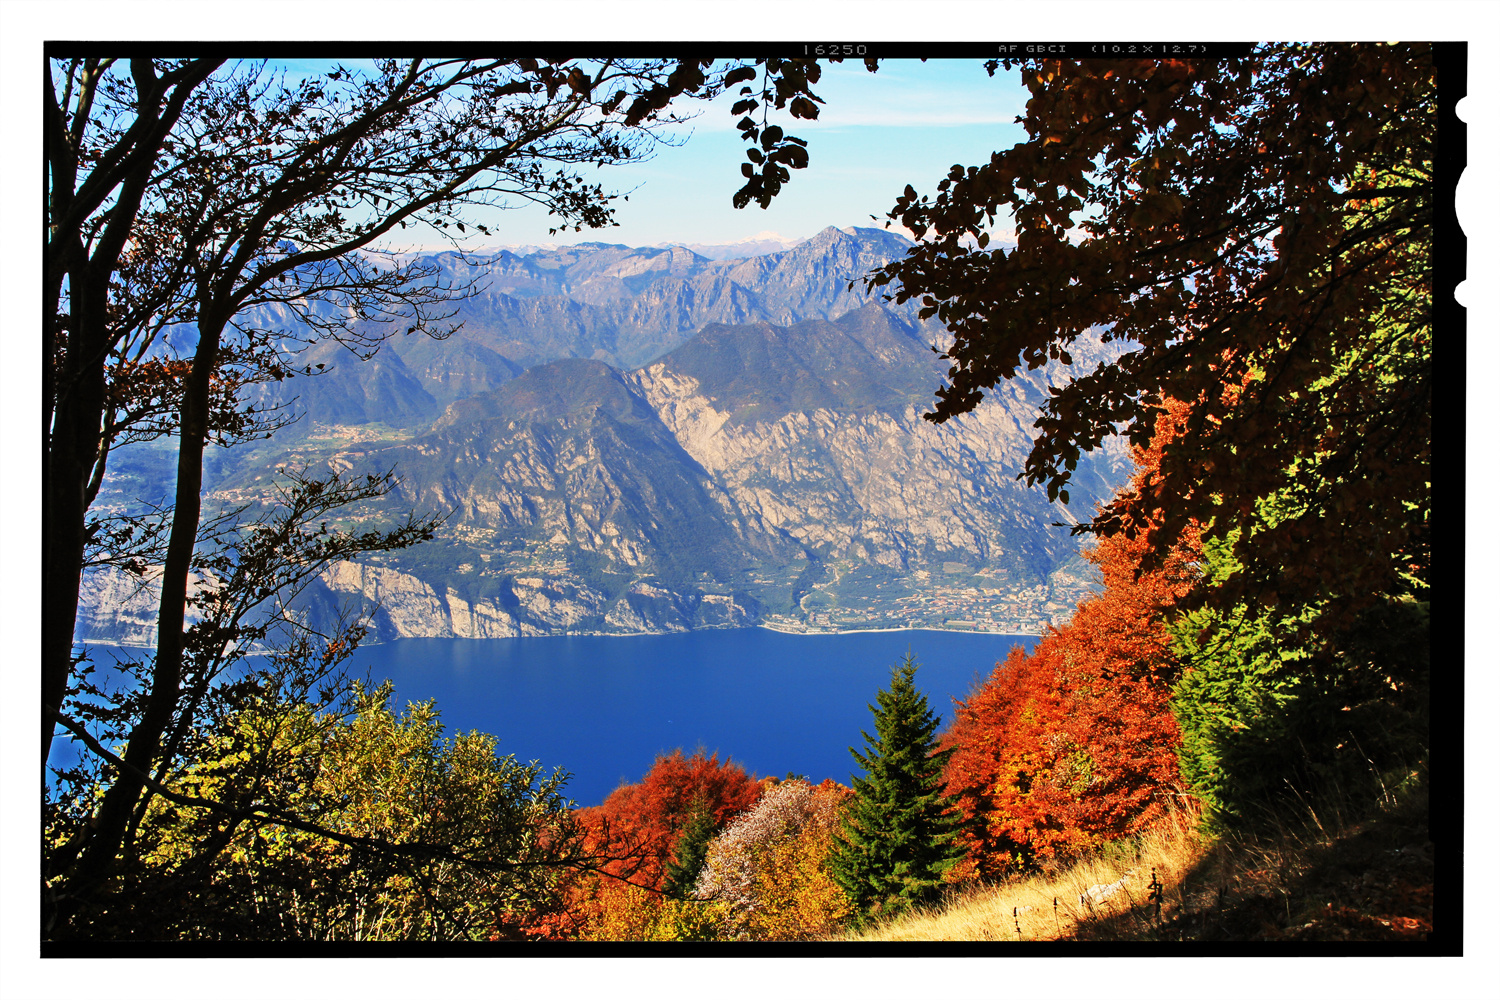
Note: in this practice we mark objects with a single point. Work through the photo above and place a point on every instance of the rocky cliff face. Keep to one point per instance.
(404, 606)
(756, 473)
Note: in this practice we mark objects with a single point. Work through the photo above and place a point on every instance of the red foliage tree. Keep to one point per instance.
(644, 819)
(1076, 743)
(637, 828)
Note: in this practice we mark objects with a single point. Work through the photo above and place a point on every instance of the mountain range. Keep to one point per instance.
(644, 439)
(620, 305)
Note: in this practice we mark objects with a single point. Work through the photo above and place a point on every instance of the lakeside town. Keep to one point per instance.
(1027, 612)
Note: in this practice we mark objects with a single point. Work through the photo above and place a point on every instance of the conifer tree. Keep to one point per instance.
(898, 834)
(692, 848)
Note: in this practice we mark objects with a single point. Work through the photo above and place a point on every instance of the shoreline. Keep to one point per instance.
(918, 628)
(623, 635)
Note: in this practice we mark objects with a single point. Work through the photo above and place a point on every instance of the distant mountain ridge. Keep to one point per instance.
(754, 246)
(621, 305)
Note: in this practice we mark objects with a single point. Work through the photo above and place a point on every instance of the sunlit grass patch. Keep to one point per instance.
(1112, 882)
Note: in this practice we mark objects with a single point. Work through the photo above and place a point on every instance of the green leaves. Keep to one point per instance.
(1269, 724)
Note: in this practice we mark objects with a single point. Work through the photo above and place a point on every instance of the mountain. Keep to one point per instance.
(754, 246)
(762, 459)
(756, 473)
(620, 305)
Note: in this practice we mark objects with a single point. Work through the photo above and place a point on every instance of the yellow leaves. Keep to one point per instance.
(768, 870)
(798, 898)
(377, 774)
(630, 914)
(620, 911)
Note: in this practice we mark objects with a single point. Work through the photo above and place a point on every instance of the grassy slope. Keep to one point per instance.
(1327, 879)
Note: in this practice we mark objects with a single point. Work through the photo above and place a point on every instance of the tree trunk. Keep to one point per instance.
(74, 398)
(72, 449)
(113, 815)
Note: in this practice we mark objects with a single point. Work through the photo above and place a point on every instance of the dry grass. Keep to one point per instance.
(1338, 874)
(1049, 907)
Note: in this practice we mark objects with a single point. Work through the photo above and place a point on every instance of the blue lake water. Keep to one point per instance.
(603, 707)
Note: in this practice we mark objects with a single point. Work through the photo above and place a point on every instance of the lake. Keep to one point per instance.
(603, 707)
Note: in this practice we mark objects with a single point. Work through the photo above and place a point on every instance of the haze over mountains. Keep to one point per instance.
(646, 439)
(614, 304)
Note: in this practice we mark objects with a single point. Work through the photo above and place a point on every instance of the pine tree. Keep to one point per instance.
(691, 849)
(898, 834)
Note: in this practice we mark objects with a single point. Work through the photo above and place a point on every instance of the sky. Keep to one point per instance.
(907, 123)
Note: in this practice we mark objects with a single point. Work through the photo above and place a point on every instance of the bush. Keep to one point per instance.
(460, 840)
(1269, 723)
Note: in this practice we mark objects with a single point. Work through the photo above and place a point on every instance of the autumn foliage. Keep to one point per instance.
(644, 819)
(767, 873)
(636, 829)
(1076, 743)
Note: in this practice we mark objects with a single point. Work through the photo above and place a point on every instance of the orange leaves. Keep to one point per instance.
(635, 830)
(1072, 745)
(1076, 743)
(644, 819)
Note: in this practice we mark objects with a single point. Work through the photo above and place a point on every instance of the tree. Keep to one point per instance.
(1076, 743)
(768, 871)
(898, 835)
(691, 849)
(90, 221)
(1256, 232)
(188, 197)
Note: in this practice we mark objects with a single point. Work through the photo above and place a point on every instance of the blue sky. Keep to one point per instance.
(876, 133)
